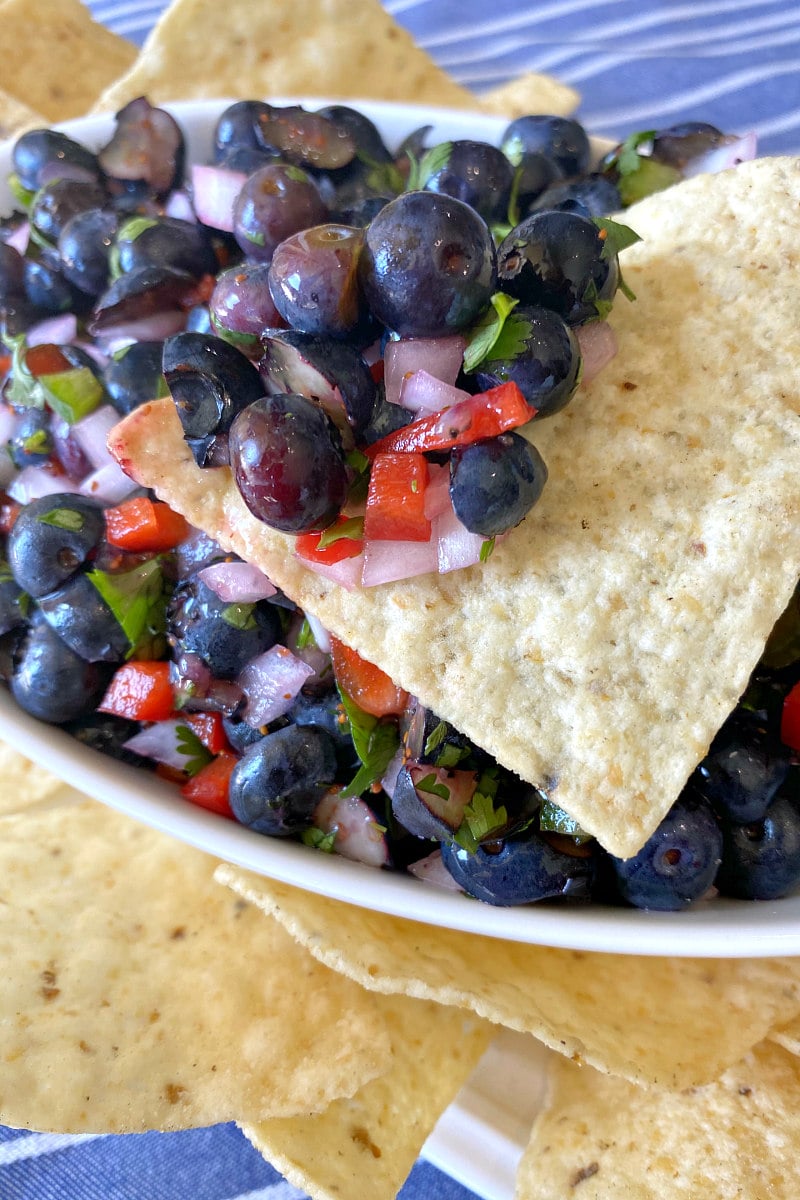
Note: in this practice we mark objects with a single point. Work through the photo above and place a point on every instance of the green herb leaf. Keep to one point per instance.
(72, 394)
(432, 161)
(375, 744)
(487, 549)
(616, 236)
(381, 177)
(24, 391)
(22, 195)
(553, 819)
(63, 518)
(297, 174)
(137, 599)
(352, 528)
(189, 744)
(601, 307)
(304, 636)
(627, 158)
(430, 784)
(485, 334)
(450, 756)
(37, 443)
(651, 176)
(481, 819)
(131, 229)
(319, 839)
(240, 616)
(436, 737)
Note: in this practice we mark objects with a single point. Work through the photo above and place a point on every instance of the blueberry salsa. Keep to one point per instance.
(366, 391)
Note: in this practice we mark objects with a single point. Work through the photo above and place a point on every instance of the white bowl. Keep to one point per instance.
(718, 928)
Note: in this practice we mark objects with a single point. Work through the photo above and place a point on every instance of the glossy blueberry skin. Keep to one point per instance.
(331, 372)
(59, 201)
(326, 712)
(53, 683)
(47, 287)
(239, 126)
(12, 274)
(313, 280)
(275, 202)
(520, 870)
(555, 259)
(43, 556)
(594, 196)
(560, 139)
(363, 132)
(241, 307)
(14, 606)
(535, 173)
(84, 245)
(547, 365)
(743, 771)
(226, 636)
(677, 865)
(147, 152)
(135, 376)
(677, 145)
(288, 463)
(80, 616)
(495, 483)
(169, 242)
(210, 382)
(279, 781)
(33, 430)
(44, 151)
(477, 173)
(107, 734)
(761, 859)
(428, 265)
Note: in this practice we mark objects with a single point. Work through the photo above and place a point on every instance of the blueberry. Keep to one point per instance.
(31, 444)
(475, 172)
(133, 376)
(226, 636)
(80, 616)
(594, 196)
(326, 713)
(558, 260)
(51, 538)
(428, 265)
(58, 201)
(519, 870)
(761, 859)
(14, 604)
(84, 245)
(560, 139)
(678, 863)
(107, 734)
(495, 483)
(166, 242)
(46, 151)
(53, 683)
(743, 771)
(545, 364)
(240, 735)
(280, 780)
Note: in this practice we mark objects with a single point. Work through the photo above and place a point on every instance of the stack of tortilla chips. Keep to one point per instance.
(172, 991)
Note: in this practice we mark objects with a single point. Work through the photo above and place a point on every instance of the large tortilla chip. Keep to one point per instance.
(367, 1145)
(667, 1021)
(601, 646)
(601, 1139)
(138, 994)
(243, 50)
(55, 58)
(530, 93)
(15, 117)
(25, 784)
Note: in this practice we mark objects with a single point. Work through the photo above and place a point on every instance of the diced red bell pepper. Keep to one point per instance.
(209, 787)
(145, 526)
(367, 685)
(46, 359)
(395, 509)
(209, 728)
(307, 545)
(483, 416)
(790, 719)
(141, 691)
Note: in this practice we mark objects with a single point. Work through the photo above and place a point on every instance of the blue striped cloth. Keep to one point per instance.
(735, 63)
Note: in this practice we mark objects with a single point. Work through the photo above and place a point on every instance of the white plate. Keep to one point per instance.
(716, 929)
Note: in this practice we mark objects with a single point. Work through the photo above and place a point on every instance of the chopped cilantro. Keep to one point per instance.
(360, 466)
(240, 616)
(450, 756)
(305, 637)
(381, 177)
(132, 228)
(37, 442)
(425, 168)
(24, 390)
(430, 784)
(137, 599)
(616, 236)
(375, 744)
(63, 518)
(481, 818)
(487, 549)
(601, 307)
(196, 754)
(297, 174)
(353, 528)
(436, 737)
(22, 195)
(553, 819)
(319, 839)
(483, 338)
(627, 158)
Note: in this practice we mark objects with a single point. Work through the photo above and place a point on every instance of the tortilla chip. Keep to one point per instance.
(599, 649)
(667, 1021)
(26, 785)
(15, 117)
(324, 47)
(55, 58)
(367, 1145)
(530, 93)
(601, 1139)
(137, 994)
